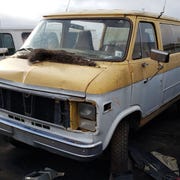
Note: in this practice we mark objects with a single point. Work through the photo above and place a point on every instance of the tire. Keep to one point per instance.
(119, 149)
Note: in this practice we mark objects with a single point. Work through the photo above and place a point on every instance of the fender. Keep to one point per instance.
(117, 120)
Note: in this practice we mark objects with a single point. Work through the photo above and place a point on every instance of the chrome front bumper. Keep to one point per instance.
(50, 142)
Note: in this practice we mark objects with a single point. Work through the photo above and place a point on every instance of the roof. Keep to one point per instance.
(105, 13)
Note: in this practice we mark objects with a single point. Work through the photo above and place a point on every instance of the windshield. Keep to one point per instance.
(104, 39)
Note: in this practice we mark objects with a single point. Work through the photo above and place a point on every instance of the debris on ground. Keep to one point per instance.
(46, 174)
(151, 165)
(169, 161)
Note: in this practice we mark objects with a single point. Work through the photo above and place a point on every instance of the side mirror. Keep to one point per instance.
(160, 56)
(3, 50)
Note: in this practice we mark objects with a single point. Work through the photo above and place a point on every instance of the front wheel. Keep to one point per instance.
(119, 149)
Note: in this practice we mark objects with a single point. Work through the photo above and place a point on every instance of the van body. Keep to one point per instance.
(14, 32)
(81, 75)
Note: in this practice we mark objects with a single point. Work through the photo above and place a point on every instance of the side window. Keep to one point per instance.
(6, 41)
(25, 35)
(145, 40)
(170, 37)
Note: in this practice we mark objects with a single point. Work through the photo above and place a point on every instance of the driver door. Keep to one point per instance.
(147, 92)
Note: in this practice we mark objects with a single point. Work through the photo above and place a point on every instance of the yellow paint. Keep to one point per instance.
(114, 77)
(174, 62)
(106, 13)
(136, 68)
(74, 116)
(140, 73)
(49, 74)
(94, 80)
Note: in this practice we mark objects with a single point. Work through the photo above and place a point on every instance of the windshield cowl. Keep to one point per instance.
(61, 56)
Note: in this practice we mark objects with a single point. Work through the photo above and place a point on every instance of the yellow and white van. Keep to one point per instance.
(83, 80)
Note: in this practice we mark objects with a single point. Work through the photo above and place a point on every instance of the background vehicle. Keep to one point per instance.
(13, 32)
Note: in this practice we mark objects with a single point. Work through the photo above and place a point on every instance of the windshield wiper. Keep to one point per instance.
(23, 53)
(25, 49)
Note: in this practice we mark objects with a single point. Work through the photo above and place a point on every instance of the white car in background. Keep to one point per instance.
(13, 33)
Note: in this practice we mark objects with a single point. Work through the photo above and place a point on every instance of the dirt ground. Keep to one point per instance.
(161, 135)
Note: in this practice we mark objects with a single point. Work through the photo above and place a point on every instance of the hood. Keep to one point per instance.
(49, 74)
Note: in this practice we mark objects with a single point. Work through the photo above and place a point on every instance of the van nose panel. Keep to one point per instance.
(49, 74)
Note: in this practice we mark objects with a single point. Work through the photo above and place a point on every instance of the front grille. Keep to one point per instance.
(39, 107)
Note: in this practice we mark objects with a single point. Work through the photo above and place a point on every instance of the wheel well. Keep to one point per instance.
(134, 120)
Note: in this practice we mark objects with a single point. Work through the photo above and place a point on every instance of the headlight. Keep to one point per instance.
(87, 111)
(87, 116)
